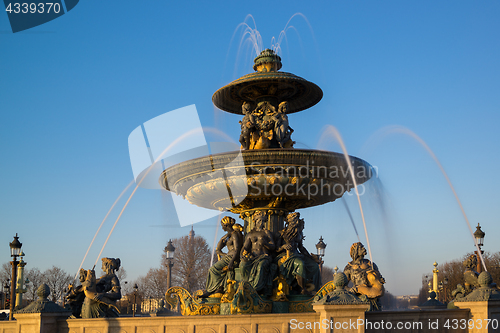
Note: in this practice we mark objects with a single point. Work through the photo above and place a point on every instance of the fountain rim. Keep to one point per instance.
(212, 157)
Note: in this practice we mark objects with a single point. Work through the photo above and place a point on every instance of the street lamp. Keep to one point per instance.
(6, 288)
(479, 236)
(135, 299)
(15, 251)
(169, 251)
(320, 247)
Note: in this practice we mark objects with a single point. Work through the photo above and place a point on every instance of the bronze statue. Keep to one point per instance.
(101, 294)
(256, 256)
(296, 264)
(282, 131)
(367, 281)
(247, 126)
(265, 125)
(470, 274)
(223, 269)
(75, 296)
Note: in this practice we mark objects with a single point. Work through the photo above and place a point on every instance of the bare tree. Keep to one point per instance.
(121, 274)
(326, 274)
(57, 280)
(453, 271)
(388, 301)
(5, 273)
(154, 284)
(191, 262)
(35, 278)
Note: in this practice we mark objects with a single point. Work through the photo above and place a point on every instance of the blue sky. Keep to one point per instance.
(73, 89)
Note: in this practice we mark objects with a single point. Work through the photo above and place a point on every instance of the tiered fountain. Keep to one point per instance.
(266, 175)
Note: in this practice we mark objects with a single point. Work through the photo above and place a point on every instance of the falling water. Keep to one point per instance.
(215, 239)
(276, 43)
(99, 229)
(173, 144)
(350, 217)
(253, 37)
(332, 130)
(248, 35)
(406, 131)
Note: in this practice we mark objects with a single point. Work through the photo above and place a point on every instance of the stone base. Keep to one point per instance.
(281, 307)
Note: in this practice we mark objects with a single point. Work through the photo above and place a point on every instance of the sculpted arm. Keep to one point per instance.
(270, 244)
(281, 245)
(220, 246)
(303, 250)
(114, 292)
(237, 249)
(347, 271)
(246, 248)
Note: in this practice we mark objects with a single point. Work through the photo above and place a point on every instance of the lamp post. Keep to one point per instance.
(135, 299)
(6, 288)
(479, 236)
(169, 251)
(320, 247)
(15, 251)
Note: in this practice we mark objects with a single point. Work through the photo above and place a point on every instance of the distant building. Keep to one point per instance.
(150, 305)
(406, 301)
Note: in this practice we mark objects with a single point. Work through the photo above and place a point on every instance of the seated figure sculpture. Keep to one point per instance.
(367, 281)
(223, 269)
(101, 294)
(298, 267)
(256, 256)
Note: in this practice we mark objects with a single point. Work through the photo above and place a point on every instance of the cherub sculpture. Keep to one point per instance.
(247, 125)
(282, 130)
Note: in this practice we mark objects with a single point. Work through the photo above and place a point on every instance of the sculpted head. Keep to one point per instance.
(283, 107)
(227, 223)
(357, 251)
(259, 219)
(245, 107)
(293, 220)
(110, 265)
(89, 280)
(82, 275)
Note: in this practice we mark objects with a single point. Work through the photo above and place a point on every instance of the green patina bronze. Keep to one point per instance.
(432, 302)
(485, 291)
(341, 296)
(43, 305)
